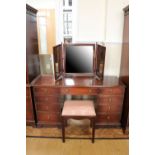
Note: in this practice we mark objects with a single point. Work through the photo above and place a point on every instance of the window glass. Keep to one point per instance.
(43, 39)
(70, 2)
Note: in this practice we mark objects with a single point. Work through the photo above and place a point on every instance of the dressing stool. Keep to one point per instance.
(78, 109)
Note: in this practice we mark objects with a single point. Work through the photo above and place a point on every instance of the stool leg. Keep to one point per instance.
(66, 123)
(93, 129)
(91, 123)
(63, 131)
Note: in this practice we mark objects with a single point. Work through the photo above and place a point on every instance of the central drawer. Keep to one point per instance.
(80, 91)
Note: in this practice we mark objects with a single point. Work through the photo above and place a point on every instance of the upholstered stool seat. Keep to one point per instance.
(78, 109)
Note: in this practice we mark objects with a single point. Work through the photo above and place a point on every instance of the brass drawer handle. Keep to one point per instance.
(66, 90)
(46, 108)
(109, 108)
(46, 90)
(108, 117)
(110, 90)
(110, 99)
(90, 91)
(48, 117)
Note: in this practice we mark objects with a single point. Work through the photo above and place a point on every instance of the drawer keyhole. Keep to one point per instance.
(108, 117)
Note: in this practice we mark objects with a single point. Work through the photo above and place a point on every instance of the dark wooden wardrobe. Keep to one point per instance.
(124, 71)
(32, 61)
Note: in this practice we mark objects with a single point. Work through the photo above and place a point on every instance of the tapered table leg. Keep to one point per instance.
(93, 129)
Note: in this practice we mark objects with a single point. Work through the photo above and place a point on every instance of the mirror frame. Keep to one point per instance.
(59, 56)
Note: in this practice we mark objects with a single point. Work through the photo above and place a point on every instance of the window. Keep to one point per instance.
(67, 20)
(70, 2)
(43, 39)
(67, 3)
(63, 2)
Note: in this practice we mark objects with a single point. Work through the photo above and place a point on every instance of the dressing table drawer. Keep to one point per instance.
(39, 91)
(110, 104)
(109, 108)
(110, 99)
(53, 107)
(80, 91)
(46, 99)
(108, 118)
(48, 117)
(112, 91)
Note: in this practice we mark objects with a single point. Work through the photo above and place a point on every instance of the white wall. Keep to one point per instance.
(91, 20)
(59, 21)
(102, 20)
(41, 4)
(114, 33)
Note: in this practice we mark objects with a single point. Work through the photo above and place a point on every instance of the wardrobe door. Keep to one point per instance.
(32, 62)
(124, 70)
(32, 53)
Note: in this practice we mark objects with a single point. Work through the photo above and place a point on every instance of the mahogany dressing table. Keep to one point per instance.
(108, 93)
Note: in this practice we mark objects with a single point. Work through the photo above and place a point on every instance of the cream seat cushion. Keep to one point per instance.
(78, 108)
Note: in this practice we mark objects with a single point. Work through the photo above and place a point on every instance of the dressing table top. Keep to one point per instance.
(48, 80)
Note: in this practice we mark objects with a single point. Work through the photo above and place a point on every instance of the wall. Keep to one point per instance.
(59, 21)
(114, 33)
(102, 20)
(91, 20)
(41, 4)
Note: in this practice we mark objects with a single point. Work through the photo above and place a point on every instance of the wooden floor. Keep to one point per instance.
(46, 146)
